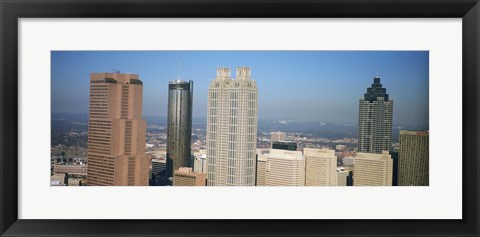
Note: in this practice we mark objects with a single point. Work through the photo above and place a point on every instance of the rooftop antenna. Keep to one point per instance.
(377, 75)
(179, 71)
(115, 70)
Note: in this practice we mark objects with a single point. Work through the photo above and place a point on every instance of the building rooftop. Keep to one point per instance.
(412, 132)
(284, 154)
(376, 91)
(384, 155)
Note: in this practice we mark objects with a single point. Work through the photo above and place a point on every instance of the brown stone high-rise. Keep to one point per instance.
(116, 131)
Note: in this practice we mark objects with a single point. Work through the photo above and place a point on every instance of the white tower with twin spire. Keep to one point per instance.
(232, 128)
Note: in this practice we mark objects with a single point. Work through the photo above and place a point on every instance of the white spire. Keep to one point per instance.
(179, 71)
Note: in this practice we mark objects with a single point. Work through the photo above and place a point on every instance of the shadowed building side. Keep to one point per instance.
(261, 169)
(413, 158)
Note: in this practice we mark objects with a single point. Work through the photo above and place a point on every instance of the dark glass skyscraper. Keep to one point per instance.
(180, 96)
(375, 119)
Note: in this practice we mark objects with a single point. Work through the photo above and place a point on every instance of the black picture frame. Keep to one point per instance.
(11, 11)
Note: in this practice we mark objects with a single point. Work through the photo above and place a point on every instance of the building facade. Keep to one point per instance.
(261, 169)
(185, 176)
(375, 119)
(348, 161)
(284, 168)
(116, 131)
(200, 164)
(158, 167)
(277, 136)
(232, 129)
(373, 169)
(413, 158)
(179, 125)
(284, 145)
(342, 177)
(320, 167)
(70, 169)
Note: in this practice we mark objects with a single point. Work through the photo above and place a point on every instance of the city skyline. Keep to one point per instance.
(292, 82)
(228, 150)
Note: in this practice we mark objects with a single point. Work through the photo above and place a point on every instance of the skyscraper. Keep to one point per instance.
(373, 169)
(375, 119)
(320, 167)
(116, 131)
(232, 129)
(180, 94)
(413, 160)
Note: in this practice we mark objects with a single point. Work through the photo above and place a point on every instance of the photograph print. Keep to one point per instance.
(239, 118)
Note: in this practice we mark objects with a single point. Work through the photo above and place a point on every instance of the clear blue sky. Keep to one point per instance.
(307, 85)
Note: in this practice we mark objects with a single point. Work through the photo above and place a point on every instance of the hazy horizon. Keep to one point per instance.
(297, 85)
(197, 120)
